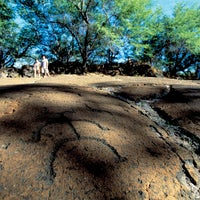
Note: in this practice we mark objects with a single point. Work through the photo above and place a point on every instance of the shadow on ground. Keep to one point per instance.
(70, 142)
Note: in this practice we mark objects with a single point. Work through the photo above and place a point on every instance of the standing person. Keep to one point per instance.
(36, 68)
(45, 65)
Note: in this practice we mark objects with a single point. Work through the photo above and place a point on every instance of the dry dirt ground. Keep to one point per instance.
(98, 137)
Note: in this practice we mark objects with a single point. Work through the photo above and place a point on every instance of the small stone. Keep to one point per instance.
(1, 167)
(139, 181)
(1, 188)
(5, 146)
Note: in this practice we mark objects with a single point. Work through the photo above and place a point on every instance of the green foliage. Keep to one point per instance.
(135, 18)
(187, 27)
(5, 20)
(7, 33)
(175, 44)
(93, 30)
(88, 22)
(5, 12)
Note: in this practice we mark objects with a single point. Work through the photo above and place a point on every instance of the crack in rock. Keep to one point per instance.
(182, 137)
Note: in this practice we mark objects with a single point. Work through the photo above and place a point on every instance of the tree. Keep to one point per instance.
(62, 35)
(174, 45)
(184, 45)
(7, 32)
(179, 39)
(90, 31)
(34, 34)
(135, 20)
(86, 30)
(87, 21)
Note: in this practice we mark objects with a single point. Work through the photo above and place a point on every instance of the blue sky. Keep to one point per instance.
(168, 5)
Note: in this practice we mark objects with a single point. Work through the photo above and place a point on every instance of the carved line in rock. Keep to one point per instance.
(92, 122)
(50, 169)
(36, 137)
(97, 110)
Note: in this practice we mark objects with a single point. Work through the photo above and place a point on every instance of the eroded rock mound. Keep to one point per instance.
(61, 141)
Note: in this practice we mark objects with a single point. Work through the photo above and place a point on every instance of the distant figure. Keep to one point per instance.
(45, 65)
(36, 68)
(198, 72)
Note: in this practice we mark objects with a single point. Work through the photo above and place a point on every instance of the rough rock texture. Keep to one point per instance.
(99, 137)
